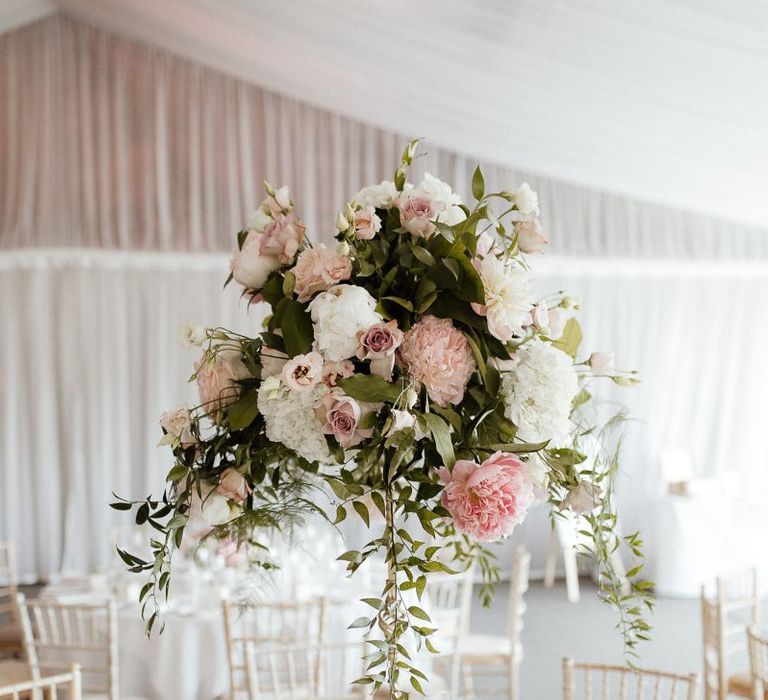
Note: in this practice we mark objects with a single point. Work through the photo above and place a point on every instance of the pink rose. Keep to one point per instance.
(302, 372)
(378, 344)
(417, 213)
(438, 355)
(318, 269)
(333, 371)
(217, 377)
(367, 223)
(340, 416)
(178, 423)
(530, 236)
(233, 485)
(249, 266)
(282, 237)
(488, 500)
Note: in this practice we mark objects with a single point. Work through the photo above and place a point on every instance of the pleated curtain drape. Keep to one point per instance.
(124, 174)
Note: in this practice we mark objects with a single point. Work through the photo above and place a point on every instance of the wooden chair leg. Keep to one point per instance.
(571, 574)
(553, 547)
(469, 682)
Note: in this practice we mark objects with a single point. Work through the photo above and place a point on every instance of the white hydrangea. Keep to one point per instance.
(538, 388)
(290, 419)
(379, 196)
(338, 315)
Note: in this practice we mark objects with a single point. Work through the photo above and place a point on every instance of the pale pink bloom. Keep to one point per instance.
(557, 320)
(438, 355)
(272, 362)
(233, 485)
(217, 377)
(340, 416)
(367, 223)
(417, 213)
(333, 371)
(540, 316)
(281, 239)
(302, 372)
(178, 423)
(318, 269)
(583, 498)
(485, 244)
(488, 500)
(601, 364)
(233, 554)
(531, 237)
(280, 202)
(249, 266)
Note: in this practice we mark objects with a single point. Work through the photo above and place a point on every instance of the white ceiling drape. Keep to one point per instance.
(107, 144)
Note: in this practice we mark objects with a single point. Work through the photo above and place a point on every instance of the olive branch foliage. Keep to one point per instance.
(393, 474)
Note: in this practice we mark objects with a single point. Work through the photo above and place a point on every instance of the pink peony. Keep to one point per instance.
(302, 372)
(249, 266)
(233, 485)
(438, 355)
(333, 371)
(282, 237)
(367, 223)
(488, 500)
(340, 416)
(318, 269)
(217, 377)
(417, 213)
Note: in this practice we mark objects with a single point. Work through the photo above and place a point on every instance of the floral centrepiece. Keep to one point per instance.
(408, 369)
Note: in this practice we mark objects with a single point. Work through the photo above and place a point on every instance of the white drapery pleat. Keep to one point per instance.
(91, 358)
(105, 142)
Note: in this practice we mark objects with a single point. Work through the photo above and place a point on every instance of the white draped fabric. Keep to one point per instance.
(124, 173)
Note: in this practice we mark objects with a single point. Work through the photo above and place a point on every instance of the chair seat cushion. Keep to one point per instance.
(484, 647)
(105, 696)
(12, 672)
(741, 684)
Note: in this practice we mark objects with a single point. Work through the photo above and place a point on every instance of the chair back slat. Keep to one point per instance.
(56, 634)
(51, 686)
(269, 625)
(641, 684)
(303, 672)
(758, 662)
(8, 583)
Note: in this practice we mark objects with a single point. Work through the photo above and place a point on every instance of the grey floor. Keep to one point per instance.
(555, 628)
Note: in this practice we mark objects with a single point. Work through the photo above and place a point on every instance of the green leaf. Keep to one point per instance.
(341, 514)
(296, 325)
(362, 511)
(570, 340)
(516, 447)
(478, 184)
(378, 500)
(352, 555)
(370, 387)
(416, 611)
(423, 255)
(471, 288)
(177, 472)
(243, 412)
(407, 305)
(122, 506)
(360, 622)
(441, 434)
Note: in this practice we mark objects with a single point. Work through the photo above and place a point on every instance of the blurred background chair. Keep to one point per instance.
(606, 682)
(495, 653)
(51, 686)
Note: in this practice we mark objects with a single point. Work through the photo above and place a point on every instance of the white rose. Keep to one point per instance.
(400, 421)
(541, 317)
(192, 335)
(601, 364)
(338, 315)
(216, 509)
(527, 200)
(260, 220)
(379, 196)
(249, 267)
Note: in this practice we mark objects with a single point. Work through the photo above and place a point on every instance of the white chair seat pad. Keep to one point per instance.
(12, 672)
(484, 647)
(105, 696)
